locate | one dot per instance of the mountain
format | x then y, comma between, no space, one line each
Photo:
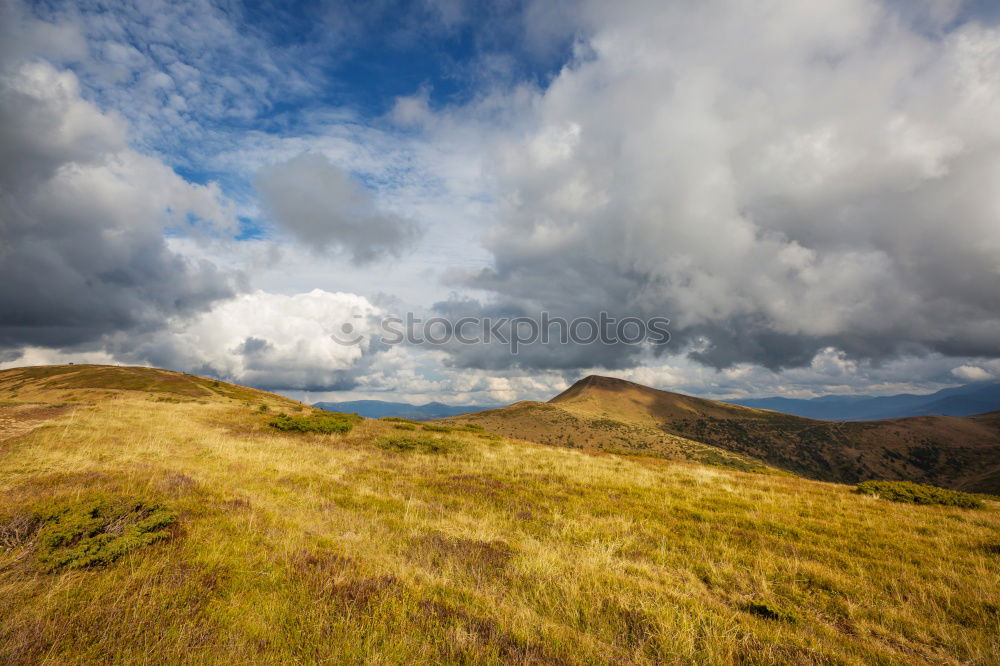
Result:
377,409
603,413
149,516
966,400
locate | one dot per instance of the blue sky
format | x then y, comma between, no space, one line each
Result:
804,191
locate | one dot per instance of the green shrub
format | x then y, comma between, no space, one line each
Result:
419,444
430,427
404,426
326,422
98,531
607,424
918,493
768,612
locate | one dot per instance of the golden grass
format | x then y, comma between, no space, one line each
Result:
303,548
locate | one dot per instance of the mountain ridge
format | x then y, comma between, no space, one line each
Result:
375,409
966,400
606,413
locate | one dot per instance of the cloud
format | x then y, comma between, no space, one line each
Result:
807,193
972,373
83,216
773,180
185,74
266,340
322,206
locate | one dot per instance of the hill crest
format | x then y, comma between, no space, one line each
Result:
611,414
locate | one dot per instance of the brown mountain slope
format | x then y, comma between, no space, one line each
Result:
613,414
547,423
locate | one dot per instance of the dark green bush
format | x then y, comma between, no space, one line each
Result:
326,422
918,493
607,424
769,612
419,444
430,427
98,531
404,426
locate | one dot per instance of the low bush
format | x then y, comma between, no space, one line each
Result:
420,444
98,531
324,423
769,612
404,426
430,427
918,493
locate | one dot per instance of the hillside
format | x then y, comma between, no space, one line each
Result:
616,415
156,517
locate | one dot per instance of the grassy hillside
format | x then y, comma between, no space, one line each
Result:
168,521
612,414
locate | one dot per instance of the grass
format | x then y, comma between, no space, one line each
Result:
380,546
918,493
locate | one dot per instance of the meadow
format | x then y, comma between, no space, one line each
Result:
220,538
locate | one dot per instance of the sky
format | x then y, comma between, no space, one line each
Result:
809,192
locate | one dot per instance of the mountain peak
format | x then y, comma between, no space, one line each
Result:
596,382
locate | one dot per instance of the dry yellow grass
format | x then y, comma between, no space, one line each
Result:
303,548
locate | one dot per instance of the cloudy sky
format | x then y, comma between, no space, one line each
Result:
810,192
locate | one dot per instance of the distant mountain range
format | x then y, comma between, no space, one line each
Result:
377,409
959,401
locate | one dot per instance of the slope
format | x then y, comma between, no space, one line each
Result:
217,538
603,412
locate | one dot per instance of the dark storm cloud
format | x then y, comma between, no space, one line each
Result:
82,216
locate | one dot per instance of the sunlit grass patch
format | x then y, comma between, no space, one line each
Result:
918,493
323,423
